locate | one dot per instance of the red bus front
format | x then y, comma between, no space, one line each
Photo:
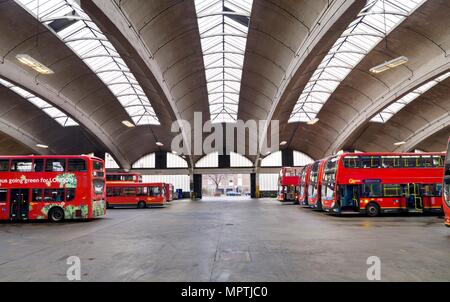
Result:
446,185
303,187
315,184
139,195
288,184
373,183
51,187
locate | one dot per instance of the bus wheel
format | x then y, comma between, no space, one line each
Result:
56,214
141,205
372,209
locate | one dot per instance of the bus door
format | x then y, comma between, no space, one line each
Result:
414,200
19,204
349,197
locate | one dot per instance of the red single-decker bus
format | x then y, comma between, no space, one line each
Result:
139,195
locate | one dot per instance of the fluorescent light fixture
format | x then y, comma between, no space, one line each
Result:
389,64
42,146
159,144
33,63
313,121
128,124
174,152
399,143
283,143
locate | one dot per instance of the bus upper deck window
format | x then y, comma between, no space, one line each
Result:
4,165
38,165
76,165
21,165
55,165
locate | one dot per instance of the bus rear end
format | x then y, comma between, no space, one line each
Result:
97,168
288,185
446,186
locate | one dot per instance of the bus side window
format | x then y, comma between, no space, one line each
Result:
55,165
142,191
36,195
54,195
109,192
3,195
38,165
427,161
438,161
76,165
70,194
4,165
154,191
129,191
21,165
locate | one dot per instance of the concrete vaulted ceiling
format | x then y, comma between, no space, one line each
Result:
159,41
424,37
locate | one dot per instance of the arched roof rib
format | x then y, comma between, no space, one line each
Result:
75,28
376,20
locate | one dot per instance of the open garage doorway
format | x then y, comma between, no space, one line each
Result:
226,186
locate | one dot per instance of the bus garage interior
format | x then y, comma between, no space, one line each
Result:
91,89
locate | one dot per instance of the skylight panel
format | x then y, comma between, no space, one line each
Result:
50,110
376,20
86,40
395,107
223,27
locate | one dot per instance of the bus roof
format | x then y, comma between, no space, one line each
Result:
389,154
48,156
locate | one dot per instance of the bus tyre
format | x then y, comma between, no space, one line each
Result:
141,205
56,214
372,209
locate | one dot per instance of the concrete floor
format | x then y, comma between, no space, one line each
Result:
237,240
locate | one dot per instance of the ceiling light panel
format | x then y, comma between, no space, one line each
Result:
74,27
50,110
398,105
360,37
223,27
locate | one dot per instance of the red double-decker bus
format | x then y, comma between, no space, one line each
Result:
315,184
51,187
140,195
446,185
123,177
288,184
375,183
303,187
